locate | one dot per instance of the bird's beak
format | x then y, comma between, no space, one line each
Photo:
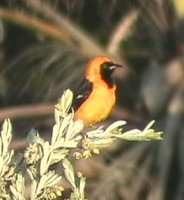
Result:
114,66
118,65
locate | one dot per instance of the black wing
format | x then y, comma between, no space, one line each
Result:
85,89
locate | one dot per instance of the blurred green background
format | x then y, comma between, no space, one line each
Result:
44,45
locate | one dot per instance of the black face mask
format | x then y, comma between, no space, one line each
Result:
106,70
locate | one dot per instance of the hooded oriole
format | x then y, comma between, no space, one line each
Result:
96,97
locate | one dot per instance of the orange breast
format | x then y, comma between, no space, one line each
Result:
98,105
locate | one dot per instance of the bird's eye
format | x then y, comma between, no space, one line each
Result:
106,65
103,65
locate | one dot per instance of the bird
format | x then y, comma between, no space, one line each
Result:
96,95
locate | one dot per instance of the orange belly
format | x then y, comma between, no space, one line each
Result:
98,105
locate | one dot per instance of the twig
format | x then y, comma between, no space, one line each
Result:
27,111
34,23
122,31
159,20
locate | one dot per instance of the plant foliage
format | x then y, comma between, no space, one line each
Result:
69,139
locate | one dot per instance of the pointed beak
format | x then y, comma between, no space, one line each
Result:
114,65
118,65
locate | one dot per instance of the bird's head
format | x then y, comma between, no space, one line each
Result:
101,68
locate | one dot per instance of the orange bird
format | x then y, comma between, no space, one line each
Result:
96,96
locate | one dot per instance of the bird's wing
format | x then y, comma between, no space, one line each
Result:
85,89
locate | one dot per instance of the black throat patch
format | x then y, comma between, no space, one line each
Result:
106,72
